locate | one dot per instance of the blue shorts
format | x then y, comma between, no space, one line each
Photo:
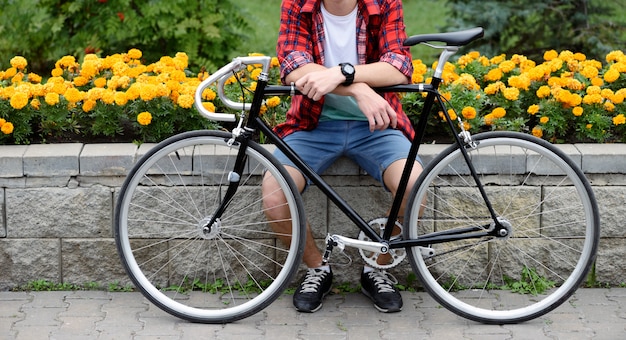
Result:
330,140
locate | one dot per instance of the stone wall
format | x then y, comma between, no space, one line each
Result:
57,202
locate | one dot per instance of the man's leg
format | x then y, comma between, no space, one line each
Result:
318,280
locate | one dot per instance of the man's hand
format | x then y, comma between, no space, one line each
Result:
317,84
376,109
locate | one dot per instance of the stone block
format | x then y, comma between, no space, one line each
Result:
29,259
52,159
3,226
603,158
92,260
11,160
59,212
107,159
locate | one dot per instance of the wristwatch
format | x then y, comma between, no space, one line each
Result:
348,71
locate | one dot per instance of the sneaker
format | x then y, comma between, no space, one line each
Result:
315,285
380,289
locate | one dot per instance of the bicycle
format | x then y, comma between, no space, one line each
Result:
493,209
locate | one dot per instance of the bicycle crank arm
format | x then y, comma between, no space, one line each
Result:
341,242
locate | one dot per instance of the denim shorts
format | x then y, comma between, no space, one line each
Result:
330,140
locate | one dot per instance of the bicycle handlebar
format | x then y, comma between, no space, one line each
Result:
453,41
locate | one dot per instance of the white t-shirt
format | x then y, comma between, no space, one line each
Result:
340,47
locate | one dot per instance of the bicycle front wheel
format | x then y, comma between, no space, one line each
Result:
546,249
211,274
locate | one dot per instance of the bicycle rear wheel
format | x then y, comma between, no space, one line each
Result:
219,274
550,212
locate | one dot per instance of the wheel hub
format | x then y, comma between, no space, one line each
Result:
207,231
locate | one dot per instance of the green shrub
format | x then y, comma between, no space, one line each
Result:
43,31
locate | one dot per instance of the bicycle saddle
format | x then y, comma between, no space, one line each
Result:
457,38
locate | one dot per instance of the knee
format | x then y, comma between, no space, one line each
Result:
273,196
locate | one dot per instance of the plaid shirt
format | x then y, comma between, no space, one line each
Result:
380,34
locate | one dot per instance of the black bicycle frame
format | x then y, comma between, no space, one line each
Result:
255,122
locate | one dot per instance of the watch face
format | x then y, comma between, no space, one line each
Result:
349,69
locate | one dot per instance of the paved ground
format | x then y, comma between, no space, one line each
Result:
590,314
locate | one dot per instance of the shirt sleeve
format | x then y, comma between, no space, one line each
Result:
295,44
392,37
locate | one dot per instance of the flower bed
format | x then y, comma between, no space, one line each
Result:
565,98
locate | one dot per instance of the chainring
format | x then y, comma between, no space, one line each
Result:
395,255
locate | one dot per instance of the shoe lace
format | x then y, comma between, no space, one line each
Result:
312,281
383,281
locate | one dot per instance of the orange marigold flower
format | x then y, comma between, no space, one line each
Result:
208,94
73,95
499,112
468,112
88,105
19,100
511,93
619,119
7,128
611,75
550,55
209,106
144,118
537,132
19,62
273,101
120,98
543,91
52,98
185,101
544,119
134,53
533,109
578,111
35,104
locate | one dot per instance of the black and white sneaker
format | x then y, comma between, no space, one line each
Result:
381,290
315,285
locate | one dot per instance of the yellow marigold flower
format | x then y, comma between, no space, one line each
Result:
34,78
57,72
489,118
611,75
73,95
273,102
610,107
52,98
594,90
497,59
494,88
35,104
537,132
208,94
185,101
617,98
7,128
533,109
10,73
507,66
19,100
178,75
614,56
544,119
511,93
147,92
89,105
499,112
578,111
468,81
619,119
19,62
120,98
493,74
592,99
256,73
589,72
550,55
134,53
521,82
468,112
575,99
566,55
144,118
81,81
597,81
466,125
108,97
209,106
263,110
95,93
100,82
274,62
589,126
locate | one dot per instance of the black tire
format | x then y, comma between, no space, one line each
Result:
232,271
553,235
